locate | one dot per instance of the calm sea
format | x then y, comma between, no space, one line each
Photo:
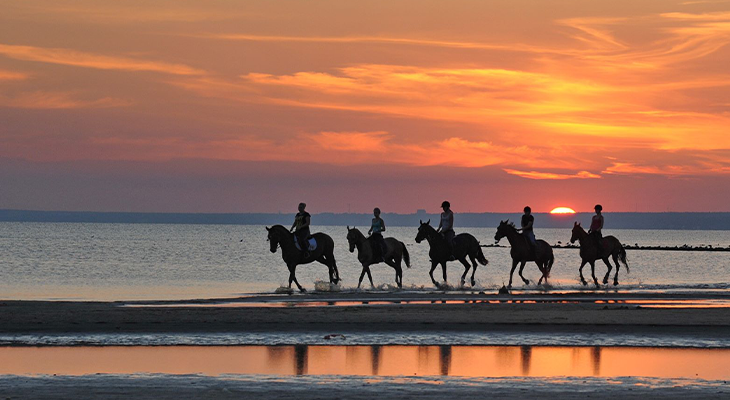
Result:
154,261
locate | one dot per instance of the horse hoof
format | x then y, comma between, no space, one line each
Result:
303,290
473,282
615,283
526,282
584,283
605,281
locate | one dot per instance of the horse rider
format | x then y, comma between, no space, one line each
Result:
377,227
301,229
446,225
526,227
595,229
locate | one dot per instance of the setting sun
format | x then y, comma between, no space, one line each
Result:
562,210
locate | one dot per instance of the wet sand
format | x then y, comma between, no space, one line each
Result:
425,312
594,312
305,388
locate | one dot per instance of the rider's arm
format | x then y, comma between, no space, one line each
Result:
382,225
306,222
439,228
600,228
293,225
371,227
451,220
528,226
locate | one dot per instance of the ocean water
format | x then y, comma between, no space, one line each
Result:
154,261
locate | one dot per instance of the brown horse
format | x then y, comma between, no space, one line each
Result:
324,253
464,245
521,252
589,254
394,254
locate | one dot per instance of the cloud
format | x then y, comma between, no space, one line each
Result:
90,60
350,141
551,175
12,75
57,100
399,41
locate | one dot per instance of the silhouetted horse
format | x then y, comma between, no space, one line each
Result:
464,245
394,253
521,252
324,253
589,254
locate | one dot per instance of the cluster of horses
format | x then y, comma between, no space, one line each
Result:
464,247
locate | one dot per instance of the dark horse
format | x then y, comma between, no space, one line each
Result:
395,252
589,254
324,253
465,245
521,252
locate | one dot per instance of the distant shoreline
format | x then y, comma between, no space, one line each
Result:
617,220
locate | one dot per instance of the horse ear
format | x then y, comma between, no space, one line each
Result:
420,221
428,222
348,228
268,229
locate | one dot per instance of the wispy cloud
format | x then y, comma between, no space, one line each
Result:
91,60
401,41
57,100
552,175
12,75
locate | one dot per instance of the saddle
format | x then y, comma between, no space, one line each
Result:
312,244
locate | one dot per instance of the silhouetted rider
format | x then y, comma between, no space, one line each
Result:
301,229
377,227
526,227
595,230
446,225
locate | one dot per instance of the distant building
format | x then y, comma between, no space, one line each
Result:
420,211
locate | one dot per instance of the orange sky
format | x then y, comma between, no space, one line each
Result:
570,97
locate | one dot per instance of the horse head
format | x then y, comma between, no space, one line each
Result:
502,230
577,232
423,230
273,238
352,237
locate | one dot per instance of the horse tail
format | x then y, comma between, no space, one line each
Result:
406,256
480,255
622,257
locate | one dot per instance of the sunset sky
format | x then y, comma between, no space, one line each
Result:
253,106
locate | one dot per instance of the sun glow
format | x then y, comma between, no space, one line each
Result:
562,210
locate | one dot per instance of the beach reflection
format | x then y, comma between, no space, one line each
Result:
467,361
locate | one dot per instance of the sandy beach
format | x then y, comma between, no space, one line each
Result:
689,316
266,387
364,311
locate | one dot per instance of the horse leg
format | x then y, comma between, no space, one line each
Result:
593,272
293,278
610,267
615,277
466,270
541,267
580,271
512,271
474,269
443,269
370,276
322,259
433,267
522,266
396,264
333,263
362,275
